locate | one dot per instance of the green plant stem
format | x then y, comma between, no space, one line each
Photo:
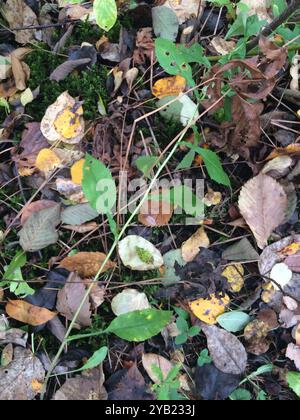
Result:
114,246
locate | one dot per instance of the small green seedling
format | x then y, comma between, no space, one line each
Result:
186,331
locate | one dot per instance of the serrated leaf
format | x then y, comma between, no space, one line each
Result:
79,214
106,13
139,325
165,23
145,164
39,231
234,321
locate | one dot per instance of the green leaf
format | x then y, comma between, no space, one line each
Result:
204,358
98,185
145,164
181,339
182,325
13,272
193,331
234,321
39,231
187,161
183,109
241,394
96,360
165,22
212,163
139,325
106,13
293,380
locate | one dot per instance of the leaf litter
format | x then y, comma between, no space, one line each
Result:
184,306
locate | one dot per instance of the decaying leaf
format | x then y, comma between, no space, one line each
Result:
31,208
241,251
86,264
39,231
208,310
222,46
139,254
47,161
212,198
235,277
128,301
18,380
293,353
14,336
169,86
27,313
263,204
256,334
19,14
155,213
227,352
85,387
190,249
63,121
69,299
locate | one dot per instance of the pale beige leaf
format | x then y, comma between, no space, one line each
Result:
190,249
263,205
160,362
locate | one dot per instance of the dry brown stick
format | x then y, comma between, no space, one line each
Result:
289,11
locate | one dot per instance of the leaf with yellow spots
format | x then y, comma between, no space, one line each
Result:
169,86
47,161
268,292
63,121
235,277
77,172
208,310
290,250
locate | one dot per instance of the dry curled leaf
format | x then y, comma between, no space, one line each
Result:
263,205
27,313
190,249
169,86
86,264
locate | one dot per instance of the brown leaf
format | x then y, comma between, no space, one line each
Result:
27,313
31,208
190,249
70,297
18,380
263,204
169,86
256,334
150,359
19,73
86,264
62,71
144,46
275,57
18,15
87,227
155,213
227,352
85,387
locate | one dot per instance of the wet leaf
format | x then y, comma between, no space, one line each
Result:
208,310
27,313
263,204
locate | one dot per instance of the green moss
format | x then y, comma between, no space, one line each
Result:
88,84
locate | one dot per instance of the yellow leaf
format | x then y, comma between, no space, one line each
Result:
208,310
36,386
235,277
47,160
68,123
268,292
190,249
212,198
169,86
290,250
77,172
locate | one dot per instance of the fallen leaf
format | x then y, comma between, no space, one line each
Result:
85,228
227,352
86,387
212,384
259,8
150,359
212,198
139,254
263,204
293,353
186,9
155,213
14,336
234,321
97,294
222,46
128,301
47,161
79,214
63,121
169,86
165,23
256,333
27,313
69,299
290,150
86,264
39,231
293,262
66,68
77,172
183,109
282,275
208,310
235,277
190,249
35,206
290,250
70,190
19,14
18,379
278,167
241,251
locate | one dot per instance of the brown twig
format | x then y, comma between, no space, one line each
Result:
289,11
